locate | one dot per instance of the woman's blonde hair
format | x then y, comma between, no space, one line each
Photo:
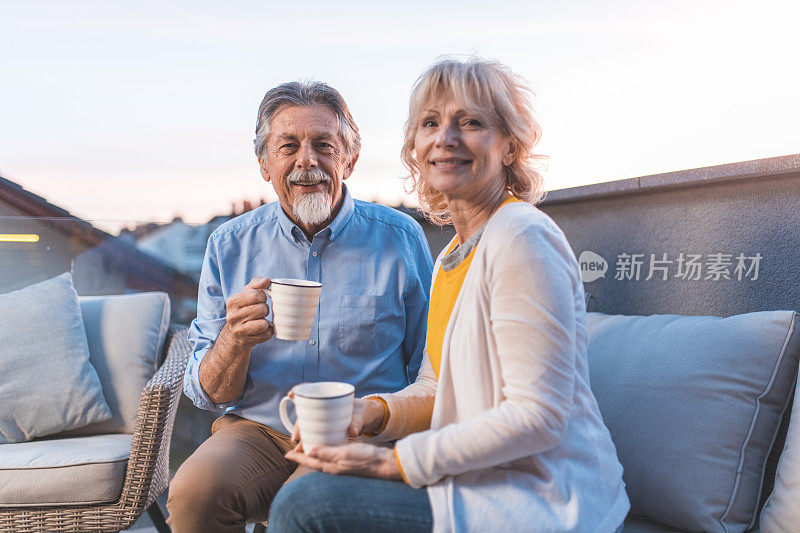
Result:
491,86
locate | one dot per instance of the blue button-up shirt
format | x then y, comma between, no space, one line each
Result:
375,268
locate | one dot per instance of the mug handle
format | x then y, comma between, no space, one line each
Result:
268,290
287,423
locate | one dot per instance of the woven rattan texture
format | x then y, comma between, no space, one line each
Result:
148,465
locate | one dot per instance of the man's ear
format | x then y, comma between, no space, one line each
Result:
262,166
350,166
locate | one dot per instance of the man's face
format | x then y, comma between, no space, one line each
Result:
306,162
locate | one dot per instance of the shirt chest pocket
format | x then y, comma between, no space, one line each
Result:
357,316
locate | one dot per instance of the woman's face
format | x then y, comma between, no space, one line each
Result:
461,152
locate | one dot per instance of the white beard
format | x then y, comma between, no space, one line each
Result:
312,208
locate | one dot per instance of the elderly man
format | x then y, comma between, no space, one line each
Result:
375,267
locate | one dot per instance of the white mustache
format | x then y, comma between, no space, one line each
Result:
304,177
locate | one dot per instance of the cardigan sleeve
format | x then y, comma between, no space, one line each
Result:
410,409
531,286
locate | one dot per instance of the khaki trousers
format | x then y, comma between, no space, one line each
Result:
231,478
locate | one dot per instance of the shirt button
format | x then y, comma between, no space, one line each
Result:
311,342
314,254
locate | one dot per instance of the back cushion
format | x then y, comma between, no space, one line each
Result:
693,405
126,336
782,512
47,384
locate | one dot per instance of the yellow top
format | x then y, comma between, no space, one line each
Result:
443,298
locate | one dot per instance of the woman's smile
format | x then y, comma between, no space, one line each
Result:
450,163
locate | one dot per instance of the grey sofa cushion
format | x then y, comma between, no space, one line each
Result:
693,405
47,384
638,525
63,471
126,335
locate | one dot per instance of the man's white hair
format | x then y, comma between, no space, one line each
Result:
305,94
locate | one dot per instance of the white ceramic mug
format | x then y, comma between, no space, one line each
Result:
294,307
324,411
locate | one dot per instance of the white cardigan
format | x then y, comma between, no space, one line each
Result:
516,440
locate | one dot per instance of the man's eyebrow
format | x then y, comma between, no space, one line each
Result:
286,137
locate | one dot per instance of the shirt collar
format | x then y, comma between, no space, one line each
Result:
292,231
344,215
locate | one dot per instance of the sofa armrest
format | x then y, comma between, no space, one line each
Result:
148,466
170,373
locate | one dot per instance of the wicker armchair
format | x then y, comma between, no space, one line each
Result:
147,474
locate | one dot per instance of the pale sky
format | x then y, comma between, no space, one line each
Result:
135,111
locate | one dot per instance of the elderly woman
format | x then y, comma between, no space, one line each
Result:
500,432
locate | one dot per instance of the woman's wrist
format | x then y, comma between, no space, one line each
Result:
375,415
391,465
